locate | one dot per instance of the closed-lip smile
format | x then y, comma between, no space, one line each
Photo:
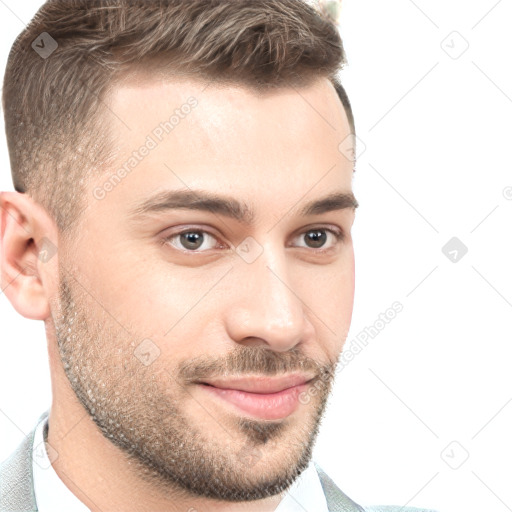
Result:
260,384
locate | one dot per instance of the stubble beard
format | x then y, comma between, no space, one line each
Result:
139,413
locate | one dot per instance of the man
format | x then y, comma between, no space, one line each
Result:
181,223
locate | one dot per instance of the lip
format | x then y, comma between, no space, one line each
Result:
261,397
260,384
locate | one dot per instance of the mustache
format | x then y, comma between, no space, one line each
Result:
256,360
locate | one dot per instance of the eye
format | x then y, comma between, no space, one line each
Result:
190,240
317,238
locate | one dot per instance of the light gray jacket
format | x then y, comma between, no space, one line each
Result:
17,486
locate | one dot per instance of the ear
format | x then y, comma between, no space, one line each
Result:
28,255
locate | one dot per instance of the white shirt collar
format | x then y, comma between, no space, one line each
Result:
306,494
52,495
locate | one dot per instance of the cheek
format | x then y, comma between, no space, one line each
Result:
335,297
343,303
144,299
174,308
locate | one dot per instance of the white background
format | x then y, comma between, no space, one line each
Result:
434,386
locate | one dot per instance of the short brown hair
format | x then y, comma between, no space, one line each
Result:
54,104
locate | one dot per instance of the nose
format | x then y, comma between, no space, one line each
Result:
267,307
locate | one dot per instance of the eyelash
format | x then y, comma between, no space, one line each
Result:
338,234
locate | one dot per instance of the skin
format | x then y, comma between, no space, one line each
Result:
154,439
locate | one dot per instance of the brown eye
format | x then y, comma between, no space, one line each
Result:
190,240
318,237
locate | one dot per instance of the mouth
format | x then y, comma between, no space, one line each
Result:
260,397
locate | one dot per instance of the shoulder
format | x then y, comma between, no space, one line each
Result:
16,480
338,501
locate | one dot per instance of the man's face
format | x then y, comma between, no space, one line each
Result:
146,312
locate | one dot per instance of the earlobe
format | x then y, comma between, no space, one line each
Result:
27,255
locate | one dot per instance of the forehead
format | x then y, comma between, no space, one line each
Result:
184,133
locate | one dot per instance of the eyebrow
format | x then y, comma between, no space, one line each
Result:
231,207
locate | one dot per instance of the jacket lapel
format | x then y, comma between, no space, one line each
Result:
16,479
337,501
